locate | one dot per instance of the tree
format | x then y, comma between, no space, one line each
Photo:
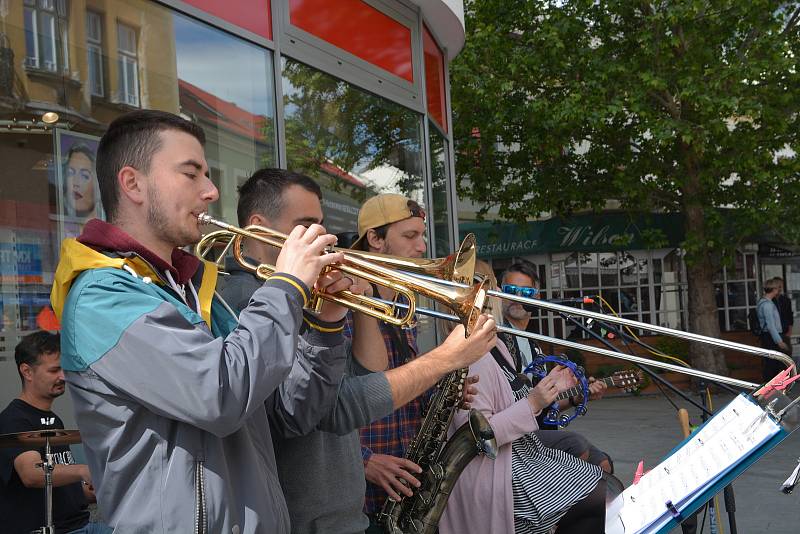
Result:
687,106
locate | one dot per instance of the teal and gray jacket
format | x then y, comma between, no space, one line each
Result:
172,396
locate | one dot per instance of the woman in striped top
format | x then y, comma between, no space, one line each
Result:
529,488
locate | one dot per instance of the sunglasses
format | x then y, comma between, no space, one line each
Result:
520,291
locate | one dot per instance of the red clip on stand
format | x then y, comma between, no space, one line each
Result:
781,381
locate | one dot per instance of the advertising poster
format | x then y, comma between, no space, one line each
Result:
78,198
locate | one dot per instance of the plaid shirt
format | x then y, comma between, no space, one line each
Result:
392,434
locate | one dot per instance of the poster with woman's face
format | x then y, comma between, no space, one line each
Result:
76,179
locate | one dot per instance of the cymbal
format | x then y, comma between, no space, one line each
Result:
35,439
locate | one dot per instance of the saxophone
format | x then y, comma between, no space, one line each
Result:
442,460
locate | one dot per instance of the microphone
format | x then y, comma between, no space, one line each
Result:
576,300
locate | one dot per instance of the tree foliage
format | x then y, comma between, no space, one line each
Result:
688,106
331,121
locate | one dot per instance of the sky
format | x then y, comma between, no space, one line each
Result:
224,65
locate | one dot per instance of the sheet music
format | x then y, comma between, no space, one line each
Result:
739,429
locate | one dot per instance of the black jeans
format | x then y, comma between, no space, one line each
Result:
587,516
770,367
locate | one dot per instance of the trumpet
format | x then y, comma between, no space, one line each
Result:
391,272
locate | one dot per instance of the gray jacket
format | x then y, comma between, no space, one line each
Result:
322,473
173,406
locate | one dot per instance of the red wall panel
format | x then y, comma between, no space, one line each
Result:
358,28
434,79
252,15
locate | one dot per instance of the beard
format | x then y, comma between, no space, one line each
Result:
516,312
57,390
158,221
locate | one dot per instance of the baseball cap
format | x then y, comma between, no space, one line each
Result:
385,209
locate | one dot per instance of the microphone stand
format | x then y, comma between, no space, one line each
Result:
730,502
649,372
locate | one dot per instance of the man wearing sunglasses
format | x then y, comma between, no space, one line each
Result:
521,279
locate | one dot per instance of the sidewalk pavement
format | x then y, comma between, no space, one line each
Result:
646,428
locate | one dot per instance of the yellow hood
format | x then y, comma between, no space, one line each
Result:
76,258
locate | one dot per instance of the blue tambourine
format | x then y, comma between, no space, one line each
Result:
538,369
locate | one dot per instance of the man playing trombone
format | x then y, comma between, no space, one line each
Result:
322,473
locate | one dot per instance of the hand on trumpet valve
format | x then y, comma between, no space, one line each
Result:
333,281
302,255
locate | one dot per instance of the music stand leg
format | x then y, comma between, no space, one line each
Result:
730,507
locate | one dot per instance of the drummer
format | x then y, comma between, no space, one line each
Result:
22,507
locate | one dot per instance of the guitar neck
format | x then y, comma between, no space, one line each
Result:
576,390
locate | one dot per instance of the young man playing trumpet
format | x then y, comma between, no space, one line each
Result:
322,473
169,392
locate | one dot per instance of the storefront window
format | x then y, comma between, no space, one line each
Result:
626,283
736,291
128,55
355,144
441,192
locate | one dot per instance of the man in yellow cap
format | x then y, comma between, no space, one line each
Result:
391,224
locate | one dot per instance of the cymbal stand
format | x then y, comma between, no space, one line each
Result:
48,466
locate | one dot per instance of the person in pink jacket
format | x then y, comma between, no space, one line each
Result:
529,488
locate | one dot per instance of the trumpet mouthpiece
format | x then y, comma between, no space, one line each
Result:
204,218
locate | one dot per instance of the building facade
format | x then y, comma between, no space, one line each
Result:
354,93
633,266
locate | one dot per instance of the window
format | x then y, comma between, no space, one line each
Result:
94,53
46,29
238,118
637,285
441,204
354,143
127,65
736,291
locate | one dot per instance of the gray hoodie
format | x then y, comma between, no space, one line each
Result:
322,473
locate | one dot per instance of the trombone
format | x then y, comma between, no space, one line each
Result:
711,377
690,336
466,301
445,280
